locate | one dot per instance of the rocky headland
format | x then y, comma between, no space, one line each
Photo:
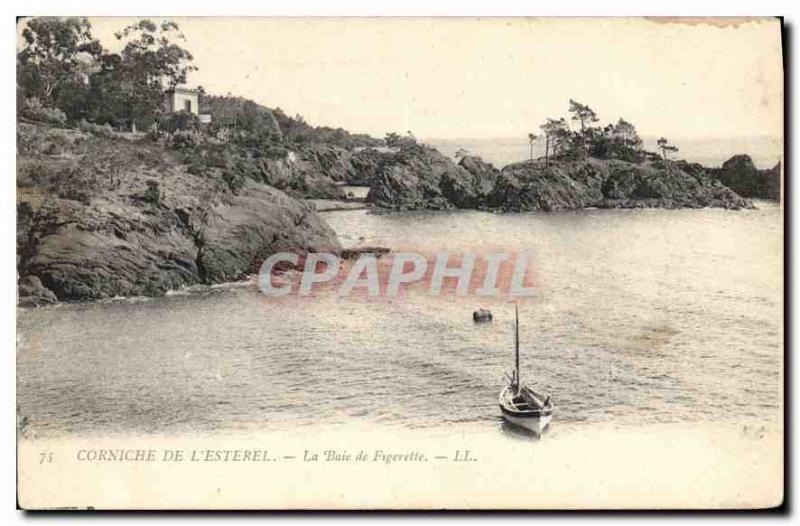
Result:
125,190
100,217
420,177
740,175
104,214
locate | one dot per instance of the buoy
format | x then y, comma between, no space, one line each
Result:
481,315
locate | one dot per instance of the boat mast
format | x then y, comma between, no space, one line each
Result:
516,346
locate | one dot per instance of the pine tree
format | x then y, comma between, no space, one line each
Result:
585,116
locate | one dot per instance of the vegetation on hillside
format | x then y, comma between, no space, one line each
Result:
297,130
65,77
614,141
62,66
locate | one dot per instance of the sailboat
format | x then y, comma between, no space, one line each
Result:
521,405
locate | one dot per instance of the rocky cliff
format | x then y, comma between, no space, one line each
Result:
412,178
740,174
100,217
420,177
103,215
358,167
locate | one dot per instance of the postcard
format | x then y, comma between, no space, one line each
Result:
399,263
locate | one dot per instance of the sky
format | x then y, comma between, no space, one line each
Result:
491,78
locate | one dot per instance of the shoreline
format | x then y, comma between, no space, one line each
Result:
201,288
333,205
147,236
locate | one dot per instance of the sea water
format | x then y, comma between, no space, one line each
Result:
640,317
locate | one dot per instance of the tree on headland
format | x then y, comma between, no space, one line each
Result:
626,132
626,140
615,140
553,129
665,147
395,140
585,116
248,120
57,55
561,137
128,87
531,138
66,77
151,62
298,130
601,142
392,139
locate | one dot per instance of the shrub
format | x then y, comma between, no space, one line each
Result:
33,171
97,130
197,166
652,157
35,140
234,179
32,109
154,134
275,153
180,121
184,139
56,141
76,194
153,192
241,115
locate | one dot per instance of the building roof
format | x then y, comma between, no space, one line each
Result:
185,91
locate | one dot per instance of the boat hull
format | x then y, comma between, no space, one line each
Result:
534,420
533,424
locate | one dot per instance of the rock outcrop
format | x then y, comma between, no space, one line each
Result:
562,186
113,237
242,230
32,293
740,175
469,186
288,171
358,167
421,177
329,160
653,187
100,216
411,179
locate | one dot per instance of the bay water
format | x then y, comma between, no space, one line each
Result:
639,316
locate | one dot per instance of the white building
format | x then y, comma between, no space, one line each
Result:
182,99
